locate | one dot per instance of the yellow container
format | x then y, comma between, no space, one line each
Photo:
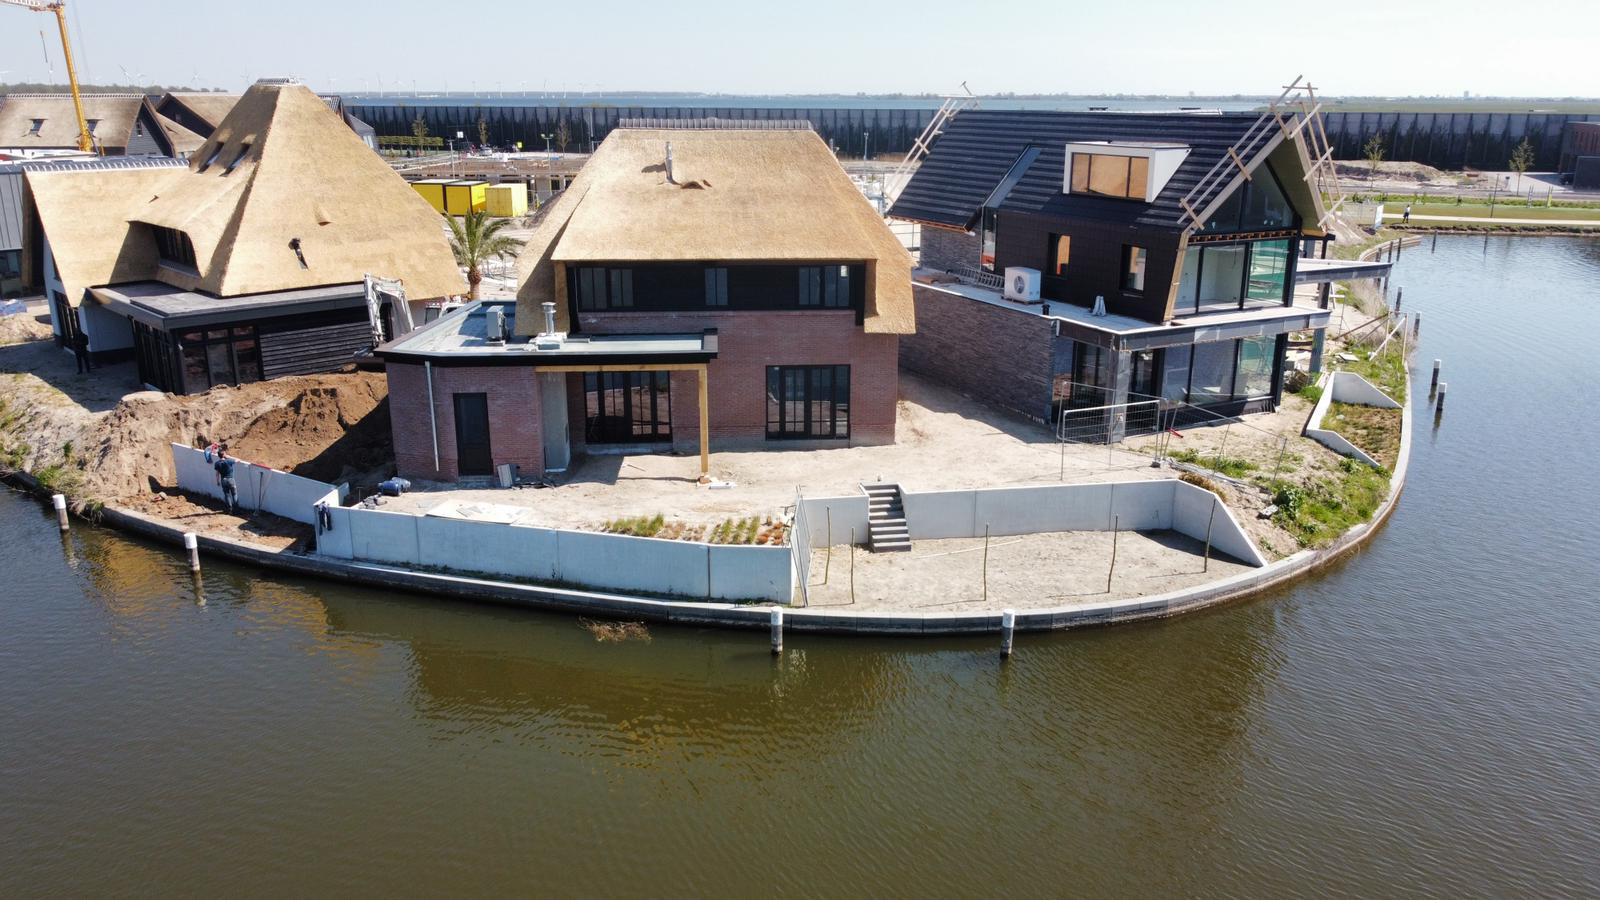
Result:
432,190
462,197
510,199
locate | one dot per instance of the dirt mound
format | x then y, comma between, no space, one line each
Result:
328,427
25,326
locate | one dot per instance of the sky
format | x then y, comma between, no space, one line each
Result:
1392,48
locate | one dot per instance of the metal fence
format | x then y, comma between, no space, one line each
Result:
800,547
1110,423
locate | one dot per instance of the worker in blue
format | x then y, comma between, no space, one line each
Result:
224,469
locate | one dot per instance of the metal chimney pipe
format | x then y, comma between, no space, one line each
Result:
549,317
670,179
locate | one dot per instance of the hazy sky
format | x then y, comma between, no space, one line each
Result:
1398,47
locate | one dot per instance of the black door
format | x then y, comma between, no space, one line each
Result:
472,435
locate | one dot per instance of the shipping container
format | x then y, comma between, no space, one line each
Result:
432,190
509,199
462,197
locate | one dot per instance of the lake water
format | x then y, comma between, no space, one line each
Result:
1422,719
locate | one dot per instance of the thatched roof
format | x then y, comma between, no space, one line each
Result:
280,167
113,117
208,107
739,195
184,142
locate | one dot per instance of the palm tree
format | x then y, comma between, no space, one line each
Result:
475,240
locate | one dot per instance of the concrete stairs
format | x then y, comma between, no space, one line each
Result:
887,531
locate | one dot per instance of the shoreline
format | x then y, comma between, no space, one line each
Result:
731,615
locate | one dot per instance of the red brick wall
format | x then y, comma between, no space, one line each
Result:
514,425
748,342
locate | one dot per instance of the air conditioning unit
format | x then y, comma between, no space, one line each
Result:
1022,284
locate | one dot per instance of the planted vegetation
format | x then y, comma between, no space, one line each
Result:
1377,431
1231,466
1320,510
748,530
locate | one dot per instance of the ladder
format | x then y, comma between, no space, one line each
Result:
1296,113
952,104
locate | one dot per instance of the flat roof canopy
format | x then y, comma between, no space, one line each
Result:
1309,270
167,308
461,338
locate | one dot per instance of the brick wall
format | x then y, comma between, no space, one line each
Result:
987,352
514,425
748,342
942,249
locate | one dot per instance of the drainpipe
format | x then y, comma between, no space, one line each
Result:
433,416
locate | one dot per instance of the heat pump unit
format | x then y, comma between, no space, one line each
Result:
1022,284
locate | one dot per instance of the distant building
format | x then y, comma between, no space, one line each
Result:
1580,155
695,287
1072,261
247,263
202,111
42,125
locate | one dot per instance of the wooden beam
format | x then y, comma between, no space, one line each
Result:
1240,163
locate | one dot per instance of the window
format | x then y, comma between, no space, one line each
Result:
826,286
627,407
1269,266
1133,268
36,126
211,157
808,402
174,248
1234,276
989,228
92,124
1258,204
600,288
238,158
1110,176
1060,252
716,287
1222,269
1211,374
219,356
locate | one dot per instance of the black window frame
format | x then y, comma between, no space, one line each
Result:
812,380
1129,273
603,288
716,279
614,396
202,340
35,126
824,287
173,248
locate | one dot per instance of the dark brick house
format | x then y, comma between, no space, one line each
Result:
698,287
1086,260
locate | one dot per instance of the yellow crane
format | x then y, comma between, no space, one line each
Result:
59,7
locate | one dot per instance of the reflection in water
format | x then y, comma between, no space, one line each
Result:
1419,718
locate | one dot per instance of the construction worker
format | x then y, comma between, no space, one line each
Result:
80,351
224,469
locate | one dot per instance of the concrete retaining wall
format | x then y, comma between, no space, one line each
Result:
612,562
838,513
1345,387
260,488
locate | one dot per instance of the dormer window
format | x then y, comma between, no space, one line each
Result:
93,124
211,157
238,158
1122,170
36,127
174,248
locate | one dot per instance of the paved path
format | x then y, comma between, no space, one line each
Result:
1498,220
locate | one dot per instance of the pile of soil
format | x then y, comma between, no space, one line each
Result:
328,427
1391,170
204,515
25,326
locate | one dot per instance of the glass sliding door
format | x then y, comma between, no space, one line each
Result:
1269,268
808,402
1256,357
627,407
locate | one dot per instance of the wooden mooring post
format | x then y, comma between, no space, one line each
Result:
59,501
777,630
1433,386
191,543
1008,632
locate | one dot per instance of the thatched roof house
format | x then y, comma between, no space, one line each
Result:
734,195
281,203
120,124
201,112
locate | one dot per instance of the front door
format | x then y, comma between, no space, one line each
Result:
473,456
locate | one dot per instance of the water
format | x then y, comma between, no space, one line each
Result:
1422,719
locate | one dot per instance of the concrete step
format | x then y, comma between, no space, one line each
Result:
887,520
891,547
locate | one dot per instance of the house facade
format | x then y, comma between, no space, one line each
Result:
255,259
1075,261
695,288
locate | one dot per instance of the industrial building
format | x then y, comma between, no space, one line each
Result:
1076,261
1580,155
695,288
253,260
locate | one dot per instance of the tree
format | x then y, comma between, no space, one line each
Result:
563,134
1373,150
1521,159
475,240
483,131
419,127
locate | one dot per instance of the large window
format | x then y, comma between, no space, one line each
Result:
1255,367
808,402
174,248
989,228
1269,267
219,356
1110,176
716,286
1133,259
603,288
1259,204
627,407
826,286
1222,269
1222,276
1211,372
1219,371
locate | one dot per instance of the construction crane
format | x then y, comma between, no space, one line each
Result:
59,7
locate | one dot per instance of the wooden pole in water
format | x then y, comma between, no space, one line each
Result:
1209,521
1433,388
1438,408
777,630
1416,327
192,544
1008,631
1116,526
59,501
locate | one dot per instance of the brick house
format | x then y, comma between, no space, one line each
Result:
697,287
1085,261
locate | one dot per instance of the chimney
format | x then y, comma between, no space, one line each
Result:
549,317
549,339
670,178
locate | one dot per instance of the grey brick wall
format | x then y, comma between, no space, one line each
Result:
996,355
945,250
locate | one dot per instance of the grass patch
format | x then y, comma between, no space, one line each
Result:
1318,512
637,526
1311,393
1374,430
1200,481
1231,466
1386,371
